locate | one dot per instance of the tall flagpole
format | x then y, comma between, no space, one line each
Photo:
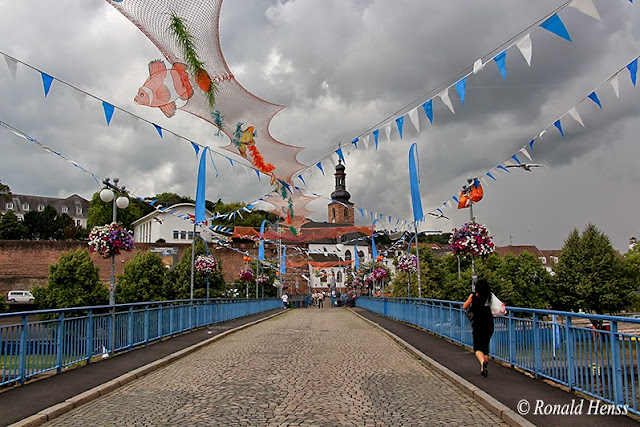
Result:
415,224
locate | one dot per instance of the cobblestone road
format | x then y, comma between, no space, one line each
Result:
305,367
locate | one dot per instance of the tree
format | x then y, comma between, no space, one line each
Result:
73,282
5,192
524,282
590,275
11,228
101,213
178,279
143,279
42,225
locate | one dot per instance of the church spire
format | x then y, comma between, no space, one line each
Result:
340,193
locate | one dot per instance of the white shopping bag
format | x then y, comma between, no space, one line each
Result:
497,307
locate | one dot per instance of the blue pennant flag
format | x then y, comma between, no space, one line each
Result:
283,263
213,163
503,168
455,198
633,70
302,179
46,82
428,110
514,157
376,133
158,128
108,111
491,176
374,250
356,258
201,187
400,123
554,24
340,155
559,126
355,141
414,181
319,165
594,98
461,87
196,147
500,60
361,212
257,173
232,165
261,247
531,144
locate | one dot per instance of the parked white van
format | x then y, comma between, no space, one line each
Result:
20,296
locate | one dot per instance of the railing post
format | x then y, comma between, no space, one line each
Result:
569,352
171,310
23,349
512,339
616,370
89,340
60,337
130,327
146,324
536,346
160,321
450,321
463,324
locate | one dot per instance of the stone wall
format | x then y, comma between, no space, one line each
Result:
25,264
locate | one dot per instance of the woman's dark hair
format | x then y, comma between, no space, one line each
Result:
483,289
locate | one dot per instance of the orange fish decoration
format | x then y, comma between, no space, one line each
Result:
246,139
164,87
475,194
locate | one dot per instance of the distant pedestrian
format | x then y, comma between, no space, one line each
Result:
479,305
320,300
285,300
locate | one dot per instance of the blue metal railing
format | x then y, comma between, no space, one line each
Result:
35,342
560,346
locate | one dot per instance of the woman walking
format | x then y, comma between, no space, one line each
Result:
479,304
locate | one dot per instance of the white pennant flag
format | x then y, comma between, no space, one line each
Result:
80,97
366,141
12,64
525,47
387,130
587,7
444,95
134,122
542,133
524,151
413,115
615,84
477,66
484,181
574,113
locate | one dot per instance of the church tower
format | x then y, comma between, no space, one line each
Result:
341,210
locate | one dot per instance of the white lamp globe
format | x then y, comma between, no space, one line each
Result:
106,195
122,202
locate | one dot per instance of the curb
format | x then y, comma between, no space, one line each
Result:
506,414
55,411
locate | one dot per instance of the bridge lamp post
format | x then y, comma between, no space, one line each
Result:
466,189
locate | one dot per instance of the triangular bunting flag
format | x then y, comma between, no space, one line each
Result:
302,179
559,126
46,82
477,66
212,162
554,25
375,137
387,131
428,110
158,128
196,147
592,96
525,47
517,160
503,168
633,70
500,60
340,155
108,111
415,120
444,95
12,64
355,142
257,173
615,84
319,165
574,113
80,97
400,123
461,88
524,151
587,7
366,142
531,144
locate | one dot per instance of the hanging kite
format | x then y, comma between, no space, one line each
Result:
186,33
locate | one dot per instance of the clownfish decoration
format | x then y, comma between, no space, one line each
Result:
165,86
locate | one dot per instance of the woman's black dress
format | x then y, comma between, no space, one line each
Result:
482,324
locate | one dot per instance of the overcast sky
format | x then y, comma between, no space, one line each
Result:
342,67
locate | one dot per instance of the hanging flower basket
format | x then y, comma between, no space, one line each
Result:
368,279
263,279
110,239
206,264
246,275
471,239
380,273
408,263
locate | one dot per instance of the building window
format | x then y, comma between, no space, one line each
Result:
347,255
190,235
183,235
65,209
9,205
339,276
175,234
555,259
40,208
543,259
25,206
79,222
78,211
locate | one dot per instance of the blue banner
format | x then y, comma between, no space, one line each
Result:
414,181
200,189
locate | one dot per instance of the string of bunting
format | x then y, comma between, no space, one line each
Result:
515,160
395,124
